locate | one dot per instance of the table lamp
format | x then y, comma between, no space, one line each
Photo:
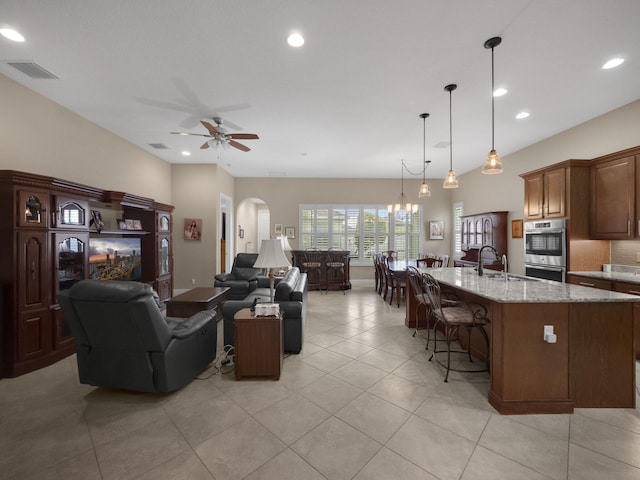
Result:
271,256
286,247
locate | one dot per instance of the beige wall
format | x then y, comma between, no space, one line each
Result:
283,196
39,136
195,193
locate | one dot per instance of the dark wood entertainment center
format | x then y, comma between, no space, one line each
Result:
45,230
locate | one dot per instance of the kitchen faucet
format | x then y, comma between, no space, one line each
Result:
480,257
504,266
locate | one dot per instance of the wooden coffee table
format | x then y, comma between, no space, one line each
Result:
197,300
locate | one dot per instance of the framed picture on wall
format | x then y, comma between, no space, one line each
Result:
436,230
290,232
277,229
516,228
192,228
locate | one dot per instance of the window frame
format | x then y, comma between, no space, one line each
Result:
408,232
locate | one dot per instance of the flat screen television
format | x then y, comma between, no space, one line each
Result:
112,258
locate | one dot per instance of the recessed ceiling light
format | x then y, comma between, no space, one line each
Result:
613,63
498,92
522,115
295,40
186,154
11,34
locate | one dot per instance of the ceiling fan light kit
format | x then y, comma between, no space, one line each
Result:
493,164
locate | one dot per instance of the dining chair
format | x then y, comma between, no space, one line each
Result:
428,262
462,314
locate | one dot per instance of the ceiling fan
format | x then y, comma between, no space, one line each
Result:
220,137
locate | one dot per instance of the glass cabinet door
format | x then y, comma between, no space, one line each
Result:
32,208
71,259
71,213
164,255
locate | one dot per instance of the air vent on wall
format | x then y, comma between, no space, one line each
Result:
32,69
159,146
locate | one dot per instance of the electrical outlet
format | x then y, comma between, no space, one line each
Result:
638,257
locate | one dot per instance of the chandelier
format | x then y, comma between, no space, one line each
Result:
403,206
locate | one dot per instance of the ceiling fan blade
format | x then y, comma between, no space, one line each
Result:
239,146
244,136
191,134
211,128
204,145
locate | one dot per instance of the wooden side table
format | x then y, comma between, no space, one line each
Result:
259,346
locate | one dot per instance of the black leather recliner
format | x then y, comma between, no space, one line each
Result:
244,278
124,341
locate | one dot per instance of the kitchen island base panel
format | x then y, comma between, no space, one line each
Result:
601,355
529,407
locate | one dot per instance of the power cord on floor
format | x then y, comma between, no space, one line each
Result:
222,364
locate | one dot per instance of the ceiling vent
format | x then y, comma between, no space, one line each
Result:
159,146
32,70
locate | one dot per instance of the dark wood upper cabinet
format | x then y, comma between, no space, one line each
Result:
613,198
545,194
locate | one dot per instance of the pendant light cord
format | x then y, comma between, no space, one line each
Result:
492,104
424,146
450,135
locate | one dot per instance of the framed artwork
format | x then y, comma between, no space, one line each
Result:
96,219
436,230
122,224
516,228
192,228
277,229
290,232
129,223
137,225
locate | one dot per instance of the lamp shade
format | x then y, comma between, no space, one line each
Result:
271,255
286,246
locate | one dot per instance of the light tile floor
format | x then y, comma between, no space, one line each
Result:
360,402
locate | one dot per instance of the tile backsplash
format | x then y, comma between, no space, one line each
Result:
625,252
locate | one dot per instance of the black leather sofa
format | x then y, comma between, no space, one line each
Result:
243,277
290,293
124,341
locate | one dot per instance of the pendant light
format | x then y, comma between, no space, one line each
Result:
402,206
424,188
493,164
452,180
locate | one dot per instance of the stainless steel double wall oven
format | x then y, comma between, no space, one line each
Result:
545,249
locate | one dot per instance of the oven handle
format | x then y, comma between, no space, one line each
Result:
544,267
550,230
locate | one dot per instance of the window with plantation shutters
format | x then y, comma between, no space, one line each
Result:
458,211
362,229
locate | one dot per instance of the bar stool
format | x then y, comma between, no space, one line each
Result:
335,263
462,314
312,265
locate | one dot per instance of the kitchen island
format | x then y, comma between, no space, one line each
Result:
592,362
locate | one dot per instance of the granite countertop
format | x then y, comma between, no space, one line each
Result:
613,276
519,289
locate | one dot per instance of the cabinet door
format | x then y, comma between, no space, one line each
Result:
71,253
487,231
478,239
554,193
33,208
33,291
71,213
613,199
164,255
533,195
590,282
